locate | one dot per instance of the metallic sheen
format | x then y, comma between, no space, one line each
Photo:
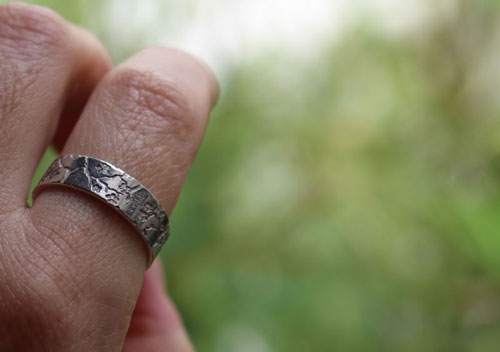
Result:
118,189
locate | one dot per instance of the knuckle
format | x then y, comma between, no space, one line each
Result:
29,37
34,316
35,27
47,281
150,98
27,319
13,83
30,308
51,286
66,246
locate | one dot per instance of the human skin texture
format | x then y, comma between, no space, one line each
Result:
72,271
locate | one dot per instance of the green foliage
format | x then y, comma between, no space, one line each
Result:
350,203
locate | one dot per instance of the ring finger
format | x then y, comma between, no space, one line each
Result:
147,117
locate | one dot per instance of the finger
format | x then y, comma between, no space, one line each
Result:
41,59
80,90
156,325
147,117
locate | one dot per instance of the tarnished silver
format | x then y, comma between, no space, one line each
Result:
118,189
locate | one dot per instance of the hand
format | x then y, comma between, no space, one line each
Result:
71,268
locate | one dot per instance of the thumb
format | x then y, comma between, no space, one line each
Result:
156,325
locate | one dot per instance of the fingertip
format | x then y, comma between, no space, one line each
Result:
90,46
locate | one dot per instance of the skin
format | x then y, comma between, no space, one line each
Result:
72,271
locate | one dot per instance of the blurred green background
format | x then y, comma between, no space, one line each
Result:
346,196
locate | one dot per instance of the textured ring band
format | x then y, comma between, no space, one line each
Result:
118,189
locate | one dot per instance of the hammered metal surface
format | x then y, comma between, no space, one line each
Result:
116,188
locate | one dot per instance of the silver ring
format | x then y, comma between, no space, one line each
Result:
118,189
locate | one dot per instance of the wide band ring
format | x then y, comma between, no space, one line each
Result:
118,189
